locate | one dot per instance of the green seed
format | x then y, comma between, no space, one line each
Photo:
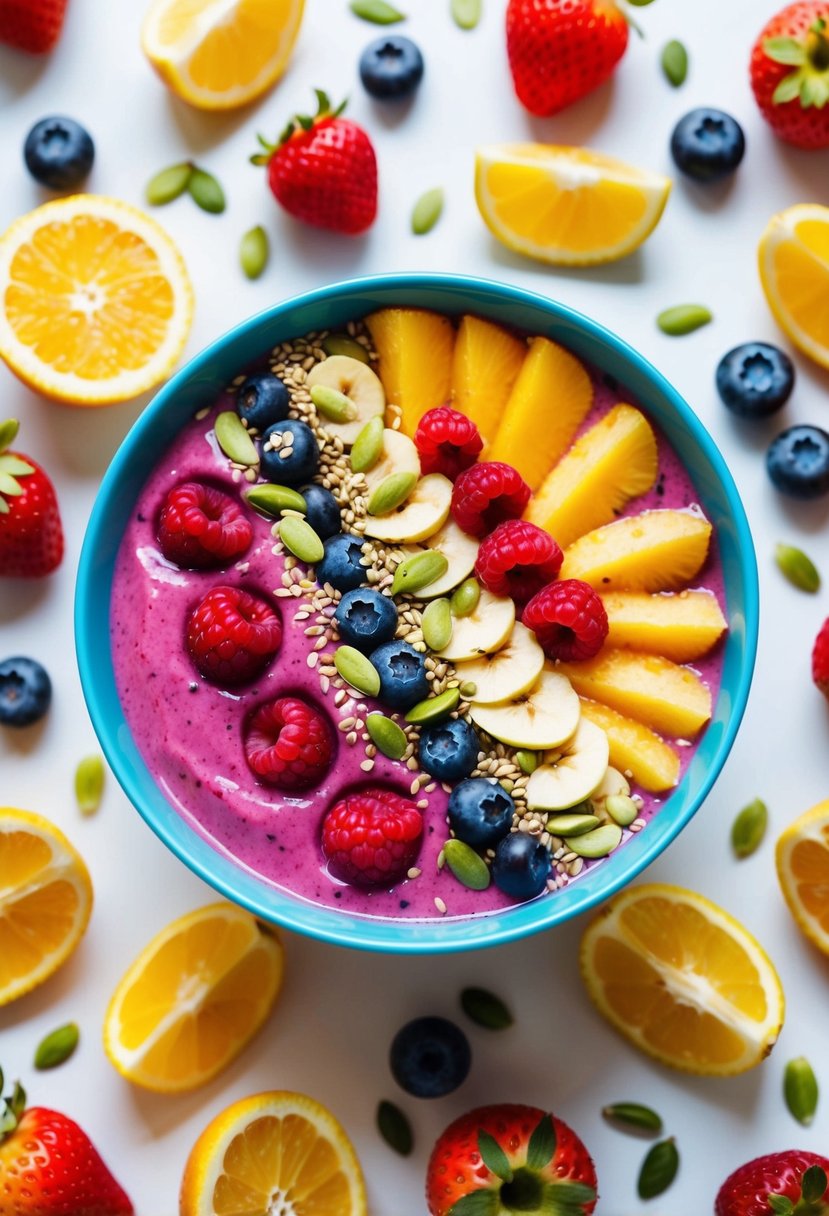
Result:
168,184
234,440
675,62
799,569
437,624
467,866
89,784
634,1115
434,709
254,251
377,11
468,689
507,785
485,1009
419,571
467,13
386,736
391,493
683,319
205,191
800,1090
57,1047
357,671
526,761
658,1169
342,344
621,809
332,404
395,1128
427,211
597,843
299,538
273,500
749,828
368,446
465,598
572,825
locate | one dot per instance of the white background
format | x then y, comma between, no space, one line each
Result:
330,1032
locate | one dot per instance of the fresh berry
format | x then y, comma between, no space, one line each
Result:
290,453
449,751
323,171
430,1057
25,691
755,379
486,494
480,812
560,50
201,528
31,25
322,510
402,672
707,145
820,659
372,837
262,401
569,620
521,865
798,461
517,560
551,1170
366,618
59,153
31,535
342,566
232,636
448,442
791,82
797,1176
288,744
391,68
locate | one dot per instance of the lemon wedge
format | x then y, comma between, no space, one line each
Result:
793,259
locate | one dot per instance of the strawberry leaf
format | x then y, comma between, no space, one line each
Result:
542,1146
781,1205
478,1203
305,121
566,1197
814,92
493,1156
789,88
323,103
8,432
813,1184
259,158
785,50
9,485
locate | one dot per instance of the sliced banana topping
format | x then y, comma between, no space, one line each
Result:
359,384
578,769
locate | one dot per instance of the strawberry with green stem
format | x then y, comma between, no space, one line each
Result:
31,535
792,1183
790,73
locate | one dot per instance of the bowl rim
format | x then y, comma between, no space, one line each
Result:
384,934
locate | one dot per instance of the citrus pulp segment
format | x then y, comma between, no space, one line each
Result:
794,269
802,859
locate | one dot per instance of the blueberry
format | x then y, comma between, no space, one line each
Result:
262,400
391,67
402,672
755,379
480,812
323,513
798,461
25,691
366,618
521,865
342,564
449,751
430,1057
304,455
707,144
59,153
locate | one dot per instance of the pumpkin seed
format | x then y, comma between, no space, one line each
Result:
749,828
427,211
377,11
342,344
168,185
89,784
395,1128
368,446
468,867
572,825
798,568
357,670
683,319
419,571
433,709
391,493
465,598
254,251
467,13
485,1009
675,62
468,689
273,499
658,1169
332,404
386,736
621,808
299,538
234,440
57,1047
205,191
633,1115
800,1090
526,761
436,624
597,843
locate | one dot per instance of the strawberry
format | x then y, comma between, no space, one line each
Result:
790,73
560,50
820,659
790,1182
31,25
510,1157
31,536
323,170
49,1167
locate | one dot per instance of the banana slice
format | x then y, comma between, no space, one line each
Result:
460,551
425,510
612,783
486,629
508,672
578,769
360,384
546,716
399,456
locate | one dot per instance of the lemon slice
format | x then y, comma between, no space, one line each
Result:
274,1152
217,54
794,269
566,205
683,980
95,301
802,858
45,901
193,998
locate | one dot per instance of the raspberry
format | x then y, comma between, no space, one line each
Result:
517,560
371,837
201,528
232,635
820,659
288,744
569,620
448,442
486,494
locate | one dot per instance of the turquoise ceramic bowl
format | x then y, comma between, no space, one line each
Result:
197,384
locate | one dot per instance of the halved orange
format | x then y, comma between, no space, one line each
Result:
794,270
802,858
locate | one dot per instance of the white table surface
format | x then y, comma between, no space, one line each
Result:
339,1009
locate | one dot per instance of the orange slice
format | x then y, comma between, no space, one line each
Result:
802,858
794,270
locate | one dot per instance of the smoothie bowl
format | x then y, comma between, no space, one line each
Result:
402,622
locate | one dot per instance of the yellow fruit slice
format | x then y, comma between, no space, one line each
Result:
552,385
95,302
45,901
217,54
802,858
570,206
683,980
793,257
635,749
193,998
486,362
681,627
613,462
273,1153
415,350
654,551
